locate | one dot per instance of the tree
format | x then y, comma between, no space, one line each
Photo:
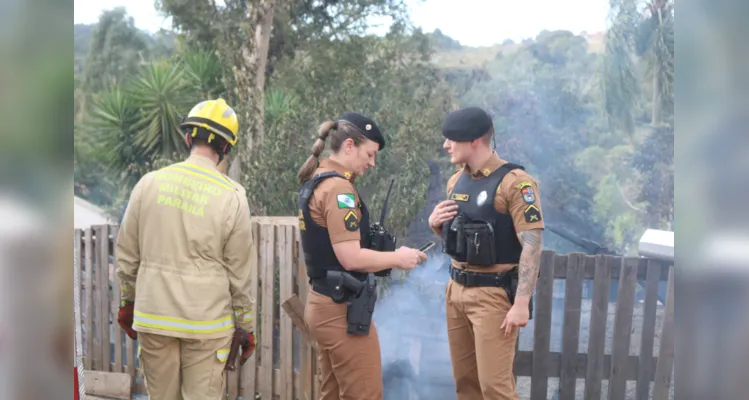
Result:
117,49
639,36
389,79
242,33
544,117
640,48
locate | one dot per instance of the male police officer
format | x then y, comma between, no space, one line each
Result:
186,241
491,226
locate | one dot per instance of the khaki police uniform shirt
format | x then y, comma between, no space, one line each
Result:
184,252
335,203
517,196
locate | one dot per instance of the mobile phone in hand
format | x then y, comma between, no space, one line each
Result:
426,247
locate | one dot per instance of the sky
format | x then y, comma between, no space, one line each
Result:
471,22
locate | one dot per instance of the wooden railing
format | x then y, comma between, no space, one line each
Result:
284,364
594,366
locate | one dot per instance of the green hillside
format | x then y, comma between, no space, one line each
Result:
448,53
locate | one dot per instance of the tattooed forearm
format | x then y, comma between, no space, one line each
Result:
530,261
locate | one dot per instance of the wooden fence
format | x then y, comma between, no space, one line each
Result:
284,365
594,366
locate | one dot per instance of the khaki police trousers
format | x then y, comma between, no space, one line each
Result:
482,357
351,365
183,369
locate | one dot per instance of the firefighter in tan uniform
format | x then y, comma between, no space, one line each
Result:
183,258
491,226
341,265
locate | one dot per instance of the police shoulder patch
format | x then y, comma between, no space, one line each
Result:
351,221
529,195
532,214
346,200
523,184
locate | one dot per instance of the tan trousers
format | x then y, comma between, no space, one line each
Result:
351,365
183,369
482,357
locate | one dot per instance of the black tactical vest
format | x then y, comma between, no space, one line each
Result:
479,234
318,251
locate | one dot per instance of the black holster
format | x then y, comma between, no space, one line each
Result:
342,285
360,297
361,307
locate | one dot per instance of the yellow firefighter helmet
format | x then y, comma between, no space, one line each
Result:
210,118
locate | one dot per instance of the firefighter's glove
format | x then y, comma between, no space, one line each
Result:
125,319
248,347
241,340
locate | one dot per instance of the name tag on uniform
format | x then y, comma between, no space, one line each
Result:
459,197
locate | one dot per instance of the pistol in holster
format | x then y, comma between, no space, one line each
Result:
361,307
360,296
344,285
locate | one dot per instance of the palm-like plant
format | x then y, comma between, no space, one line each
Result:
110,124
163,98
638,36
133,127
656,46
202,73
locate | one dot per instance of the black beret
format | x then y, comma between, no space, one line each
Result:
364,125
466,124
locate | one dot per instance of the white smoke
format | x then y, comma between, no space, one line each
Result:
411,324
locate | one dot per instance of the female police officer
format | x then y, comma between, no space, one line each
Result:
334,226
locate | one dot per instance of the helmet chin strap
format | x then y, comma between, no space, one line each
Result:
221,154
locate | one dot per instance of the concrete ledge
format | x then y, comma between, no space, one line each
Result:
657,244
108,384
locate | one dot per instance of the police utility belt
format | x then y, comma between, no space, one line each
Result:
507,280
357,289
360,292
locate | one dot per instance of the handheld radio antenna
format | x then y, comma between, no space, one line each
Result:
385,204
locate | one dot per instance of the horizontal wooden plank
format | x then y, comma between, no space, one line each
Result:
560,269
524,365
295,310
110,384
274,220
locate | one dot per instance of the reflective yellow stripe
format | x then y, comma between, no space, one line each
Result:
187,170
243,316
223,355
207,171
182,325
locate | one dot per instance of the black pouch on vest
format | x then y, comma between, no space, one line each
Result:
449,240
479,241
453,238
